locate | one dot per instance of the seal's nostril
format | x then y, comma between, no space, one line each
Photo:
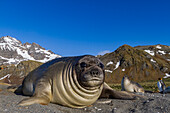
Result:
94,73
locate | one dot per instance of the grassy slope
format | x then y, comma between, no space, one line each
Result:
149,86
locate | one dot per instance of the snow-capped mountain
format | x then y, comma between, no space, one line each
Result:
12,51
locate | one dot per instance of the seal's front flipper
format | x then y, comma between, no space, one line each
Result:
108,92
34,100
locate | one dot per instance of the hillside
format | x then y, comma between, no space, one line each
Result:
17,59
14,74
141,63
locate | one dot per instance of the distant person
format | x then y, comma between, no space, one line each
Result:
161,85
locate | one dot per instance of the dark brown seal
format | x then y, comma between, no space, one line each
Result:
69,81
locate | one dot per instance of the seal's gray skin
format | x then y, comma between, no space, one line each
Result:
69,81
167,90
130,86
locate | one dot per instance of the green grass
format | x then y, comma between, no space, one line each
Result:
148,86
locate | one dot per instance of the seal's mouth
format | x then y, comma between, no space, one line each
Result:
90,81
89,77
94,79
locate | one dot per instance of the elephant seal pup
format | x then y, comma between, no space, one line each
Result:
167,90
69,81
131,86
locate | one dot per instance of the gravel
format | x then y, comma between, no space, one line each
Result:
152,103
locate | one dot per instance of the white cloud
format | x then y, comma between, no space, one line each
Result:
103,52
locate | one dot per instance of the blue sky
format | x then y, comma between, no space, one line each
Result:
78,27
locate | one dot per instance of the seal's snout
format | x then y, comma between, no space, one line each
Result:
94,73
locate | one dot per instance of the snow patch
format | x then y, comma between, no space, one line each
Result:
109,63
10,60
28,46
161,52
51,57
123,69
108,71
8,75
12,44
158,47
150,52
11,40
24,54
117,65
2,45
153,61
167,75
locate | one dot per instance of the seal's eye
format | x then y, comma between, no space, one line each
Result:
101,65
83,64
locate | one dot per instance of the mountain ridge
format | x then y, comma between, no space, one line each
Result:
140,63
12,51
